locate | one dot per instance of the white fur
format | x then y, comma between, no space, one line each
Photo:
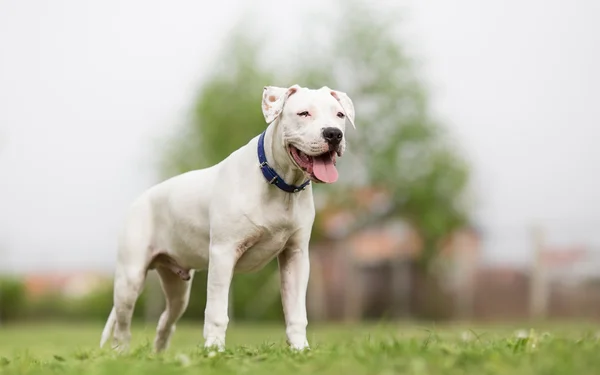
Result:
228,219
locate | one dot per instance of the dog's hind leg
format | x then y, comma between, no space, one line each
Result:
129,283
177,294
132,266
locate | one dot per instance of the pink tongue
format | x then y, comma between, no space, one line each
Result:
324,169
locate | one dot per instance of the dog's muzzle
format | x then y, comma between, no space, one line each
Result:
320,168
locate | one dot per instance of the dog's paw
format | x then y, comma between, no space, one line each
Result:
299,345
120,348
214,343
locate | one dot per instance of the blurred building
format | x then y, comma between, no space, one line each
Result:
372,271
71,285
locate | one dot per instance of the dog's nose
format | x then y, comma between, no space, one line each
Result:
333,136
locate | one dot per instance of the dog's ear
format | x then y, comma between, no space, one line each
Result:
273,100
346,104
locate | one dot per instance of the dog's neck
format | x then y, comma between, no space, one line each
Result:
278,157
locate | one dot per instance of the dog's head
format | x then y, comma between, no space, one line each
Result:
313,124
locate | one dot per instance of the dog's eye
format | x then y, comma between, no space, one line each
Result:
341,115
304,114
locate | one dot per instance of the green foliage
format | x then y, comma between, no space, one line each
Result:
226,114
94,306
12,299
256,296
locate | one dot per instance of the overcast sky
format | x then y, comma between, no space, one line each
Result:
87,89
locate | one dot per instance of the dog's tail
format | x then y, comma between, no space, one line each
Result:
109,327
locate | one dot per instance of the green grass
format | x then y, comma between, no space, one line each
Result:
382,349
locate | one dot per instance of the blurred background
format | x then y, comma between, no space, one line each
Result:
470,191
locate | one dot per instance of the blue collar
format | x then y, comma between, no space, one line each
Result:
270,175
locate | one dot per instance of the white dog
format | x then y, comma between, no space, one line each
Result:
236,216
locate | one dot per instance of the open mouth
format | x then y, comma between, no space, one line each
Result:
320,168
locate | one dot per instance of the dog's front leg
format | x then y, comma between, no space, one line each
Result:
294,269
220,271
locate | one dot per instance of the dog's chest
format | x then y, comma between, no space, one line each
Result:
259,248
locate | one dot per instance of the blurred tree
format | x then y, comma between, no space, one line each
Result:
226,114
12,299
397,146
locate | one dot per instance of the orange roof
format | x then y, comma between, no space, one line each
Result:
383,244
335,216
40,284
